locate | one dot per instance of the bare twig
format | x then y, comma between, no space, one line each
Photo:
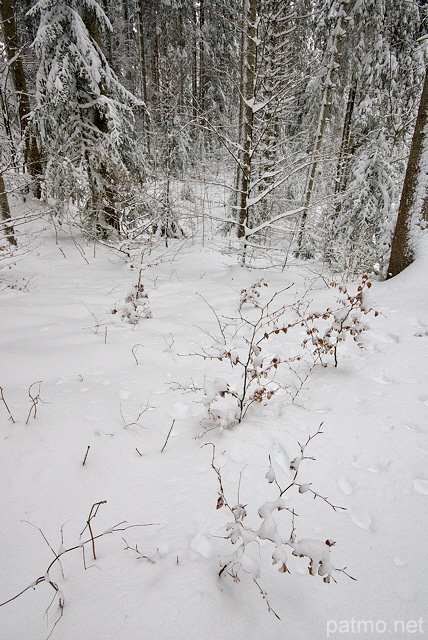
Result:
45,577
221,501
2,398
47,541
35,399
135,422
92,514
134,349
86,455
264,596
167,438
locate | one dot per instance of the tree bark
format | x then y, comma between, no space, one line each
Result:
201,57
413,207
247,99
238,171
344,145
32,156
100,185
323,117
5,214
143,68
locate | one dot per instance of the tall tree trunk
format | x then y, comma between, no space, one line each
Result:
143,68
156,64
32,156
5,214
201,57
323,116
195,69
344,145
238,171
7,126
100,185
413,207
250,50
108,43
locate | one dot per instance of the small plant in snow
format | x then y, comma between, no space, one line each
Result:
252,294
347,320
242,345
246,558
53,575
135,306
267,365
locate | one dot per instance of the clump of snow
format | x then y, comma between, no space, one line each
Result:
134,307
319,556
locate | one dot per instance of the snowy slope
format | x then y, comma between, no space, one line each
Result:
162,580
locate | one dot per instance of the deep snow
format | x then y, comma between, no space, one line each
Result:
57,328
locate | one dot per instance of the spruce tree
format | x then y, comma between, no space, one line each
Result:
84,115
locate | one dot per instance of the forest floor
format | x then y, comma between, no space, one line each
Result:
128,401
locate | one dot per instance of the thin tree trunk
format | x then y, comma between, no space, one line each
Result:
195,70
107,37
143,68
414,196
238,170
7,125
32,156
344,145
201,57
248,114
323,117
100,185
5,214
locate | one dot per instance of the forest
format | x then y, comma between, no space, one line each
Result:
303,111
214,327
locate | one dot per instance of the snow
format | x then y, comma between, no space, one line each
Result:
160,579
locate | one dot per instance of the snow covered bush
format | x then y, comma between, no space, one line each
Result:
84,116
252,294
254,344
275,533
242,345
326,330
134,307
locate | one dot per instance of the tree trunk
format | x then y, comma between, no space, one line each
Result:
323,117
5,214
143,68
100,180
108,48
237,178
32,156
249,70
201,57
413,207
7,126
344,145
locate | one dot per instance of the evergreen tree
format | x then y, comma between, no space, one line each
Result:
84,115
13,52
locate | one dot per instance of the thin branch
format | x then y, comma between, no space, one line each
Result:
35,400
134,349
167,438
2,398
86,455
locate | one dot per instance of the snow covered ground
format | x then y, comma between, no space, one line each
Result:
118,388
